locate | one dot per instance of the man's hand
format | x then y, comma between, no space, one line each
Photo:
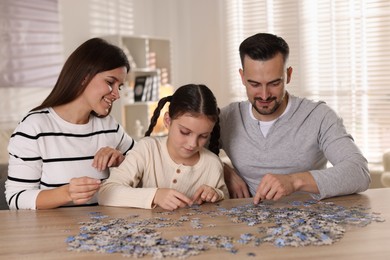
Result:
273,187
107,157
171,199
276,186
235,184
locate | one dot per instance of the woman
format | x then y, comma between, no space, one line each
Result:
61,150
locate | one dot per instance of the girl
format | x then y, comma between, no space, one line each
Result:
61,150
173,171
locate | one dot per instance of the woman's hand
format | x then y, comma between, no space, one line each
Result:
171,199
79,191
82,189
205,193
107,157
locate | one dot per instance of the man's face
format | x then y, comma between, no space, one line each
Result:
265,86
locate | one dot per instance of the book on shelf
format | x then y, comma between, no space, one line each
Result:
146,88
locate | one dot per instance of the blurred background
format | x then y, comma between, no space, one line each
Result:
339,52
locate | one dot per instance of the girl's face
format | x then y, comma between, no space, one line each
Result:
103,90
186,136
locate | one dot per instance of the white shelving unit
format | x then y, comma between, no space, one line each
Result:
148,56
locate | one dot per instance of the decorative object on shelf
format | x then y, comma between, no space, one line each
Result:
138,130
127,93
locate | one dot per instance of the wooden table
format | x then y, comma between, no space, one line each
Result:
41,234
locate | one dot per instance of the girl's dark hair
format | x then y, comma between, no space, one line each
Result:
195,100
90,58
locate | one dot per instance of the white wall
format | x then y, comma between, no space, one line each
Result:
193,26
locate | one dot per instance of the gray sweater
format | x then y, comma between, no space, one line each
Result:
304,139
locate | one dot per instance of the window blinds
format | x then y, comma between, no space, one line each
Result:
339,52
31,45
111,17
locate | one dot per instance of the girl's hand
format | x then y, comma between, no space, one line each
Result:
205,193
171,199
82,189
107,157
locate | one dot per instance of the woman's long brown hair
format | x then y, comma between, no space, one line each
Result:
90,58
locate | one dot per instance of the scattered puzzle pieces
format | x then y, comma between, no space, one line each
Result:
301,223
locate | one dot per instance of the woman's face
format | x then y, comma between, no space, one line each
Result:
103,90
187,134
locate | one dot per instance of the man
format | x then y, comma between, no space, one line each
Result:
279,143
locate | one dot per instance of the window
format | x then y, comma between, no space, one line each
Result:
114,17
31,43
339,52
